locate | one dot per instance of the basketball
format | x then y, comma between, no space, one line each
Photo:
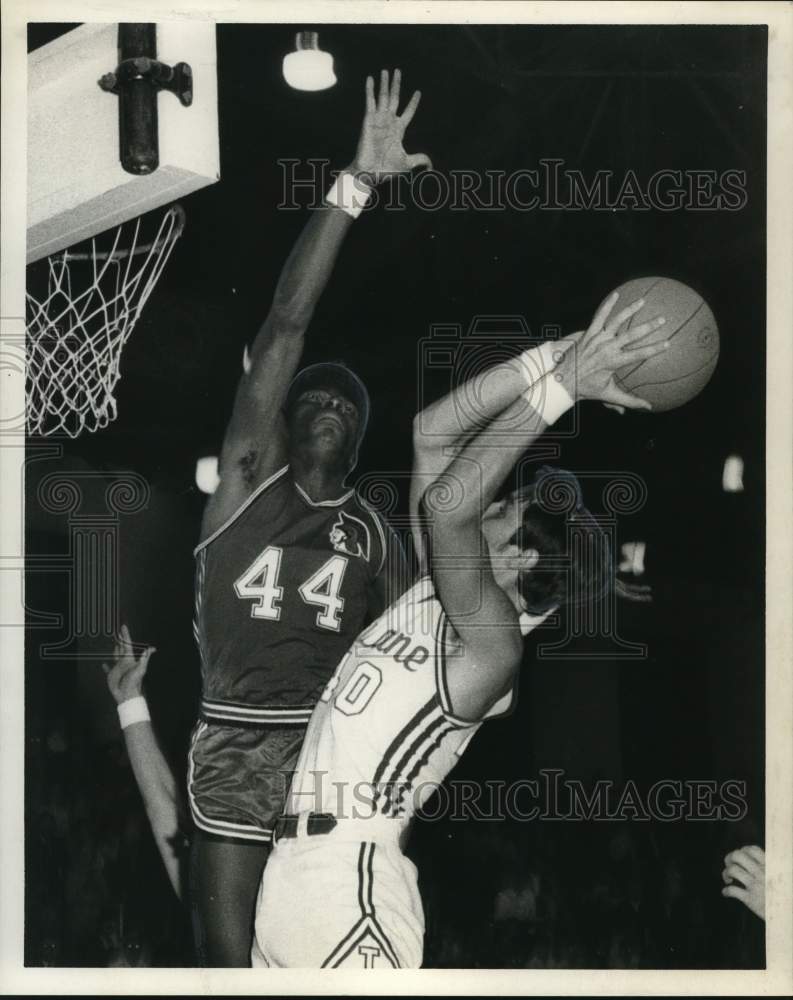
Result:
677,375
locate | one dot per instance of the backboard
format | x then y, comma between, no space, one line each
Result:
76,184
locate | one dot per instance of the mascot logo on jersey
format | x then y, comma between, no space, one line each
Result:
350,536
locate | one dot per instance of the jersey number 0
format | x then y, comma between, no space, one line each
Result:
259,583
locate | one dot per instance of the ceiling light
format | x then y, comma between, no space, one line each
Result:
308,67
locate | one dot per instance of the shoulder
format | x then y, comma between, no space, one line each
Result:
226,505
382,535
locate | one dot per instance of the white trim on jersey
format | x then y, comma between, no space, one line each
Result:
228,711
242,507
198,603
324,503
241,831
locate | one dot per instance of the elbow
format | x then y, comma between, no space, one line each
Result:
448,516
448,506
500,694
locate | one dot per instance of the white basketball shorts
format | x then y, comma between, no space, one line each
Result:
331,902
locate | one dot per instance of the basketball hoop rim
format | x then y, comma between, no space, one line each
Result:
64,256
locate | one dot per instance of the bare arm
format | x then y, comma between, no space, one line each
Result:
444,427
154,777
160,797
480,611
483,616
255,442
474,403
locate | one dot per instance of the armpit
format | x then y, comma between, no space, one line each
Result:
248,466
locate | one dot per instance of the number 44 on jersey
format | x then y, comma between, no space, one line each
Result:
259,583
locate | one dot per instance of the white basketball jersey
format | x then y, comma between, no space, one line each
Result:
383,736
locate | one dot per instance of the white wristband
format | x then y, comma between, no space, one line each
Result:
538,361
349,194
549,398
133,710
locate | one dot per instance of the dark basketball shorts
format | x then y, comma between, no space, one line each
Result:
238,778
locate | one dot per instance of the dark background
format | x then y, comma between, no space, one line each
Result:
619,98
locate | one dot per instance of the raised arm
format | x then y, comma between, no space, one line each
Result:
482,614
443,427
255,442
154,777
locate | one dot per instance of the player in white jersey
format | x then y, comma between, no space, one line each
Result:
416,685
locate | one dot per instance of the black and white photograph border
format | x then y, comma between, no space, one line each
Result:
590,682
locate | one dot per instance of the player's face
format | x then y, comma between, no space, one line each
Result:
326,419
502,519
500,523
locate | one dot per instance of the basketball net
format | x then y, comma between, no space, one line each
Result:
76,332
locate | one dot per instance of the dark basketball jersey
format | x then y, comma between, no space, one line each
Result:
281,592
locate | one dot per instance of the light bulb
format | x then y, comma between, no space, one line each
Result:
732,476
308,67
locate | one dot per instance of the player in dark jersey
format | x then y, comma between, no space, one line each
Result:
291,562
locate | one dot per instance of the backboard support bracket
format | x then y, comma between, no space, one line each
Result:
136,81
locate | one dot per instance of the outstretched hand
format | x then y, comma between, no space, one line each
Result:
380,152
601,350
744,875
125,677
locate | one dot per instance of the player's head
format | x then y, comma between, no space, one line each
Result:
529,536
327,410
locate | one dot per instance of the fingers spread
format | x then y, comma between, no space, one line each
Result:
382,97
602,314
370,102
623,316
145,656
419,160
407,115
124,642
393,102
642,353
629,335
